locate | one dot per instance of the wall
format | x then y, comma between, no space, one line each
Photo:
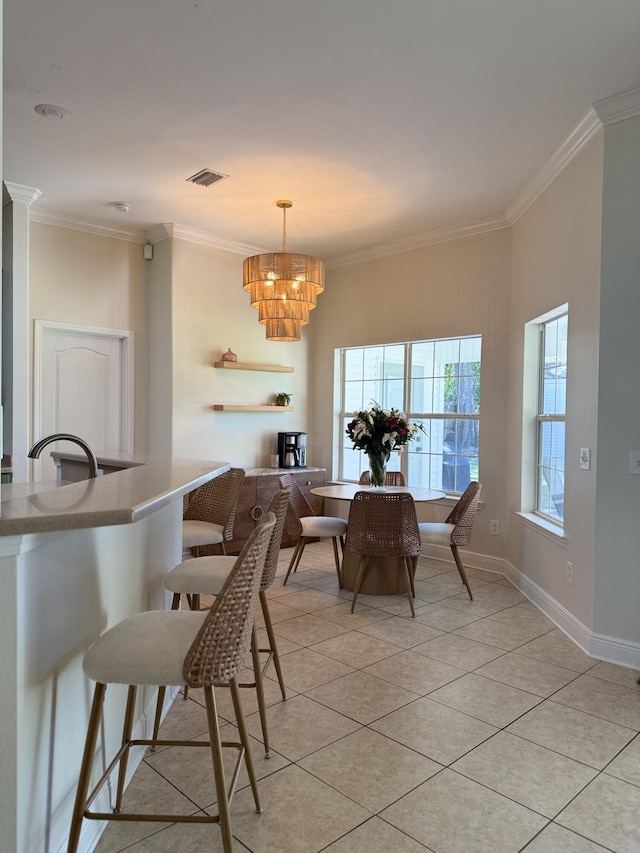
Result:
449,289
556,259
82,278
617,530
211,313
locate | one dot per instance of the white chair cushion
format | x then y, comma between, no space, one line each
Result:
435,533
323,526
200,576
201,533
148,648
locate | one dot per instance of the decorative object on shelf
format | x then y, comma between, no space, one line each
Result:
378,432
283,399
229,356
283,286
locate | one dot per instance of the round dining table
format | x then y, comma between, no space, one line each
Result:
384,575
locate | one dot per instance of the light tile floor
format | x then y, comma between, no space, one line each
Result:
478,727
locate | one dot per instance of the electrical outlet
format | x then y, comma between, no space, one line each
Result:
494,527
634,462
569,572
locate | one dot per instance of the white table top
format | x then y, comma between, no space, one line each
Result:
346,491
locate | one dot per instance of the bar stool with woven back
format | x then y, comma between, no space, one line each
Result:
168,647
311,526
206,576
210,511
384,524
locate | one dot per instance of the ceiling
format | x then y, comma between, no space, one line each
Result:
380,120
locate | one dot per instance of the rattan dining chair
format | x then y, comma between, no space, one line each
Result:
210,511
166,647
391,478
455,530
384,524
311,526
206,576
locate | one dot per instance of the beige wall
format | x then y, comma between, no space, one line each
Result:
449,289
617,584
211,313
556,259
86,279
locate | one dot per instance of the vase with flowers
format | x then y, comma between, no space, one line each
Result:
378,433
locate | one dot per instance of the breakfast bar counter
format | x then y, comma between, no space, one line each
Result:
74,560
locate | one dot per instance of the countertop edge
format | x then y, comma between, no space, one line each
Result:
122,497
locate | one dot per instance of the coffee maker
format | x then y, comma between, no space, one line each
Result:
292,449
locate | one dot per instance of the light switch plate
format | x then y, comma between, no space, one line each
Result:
585,458
634,462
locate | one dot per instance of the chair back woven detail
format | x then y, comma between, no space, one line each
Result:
383,524
463,514
278,506
223,641
216,501
299,504
391,478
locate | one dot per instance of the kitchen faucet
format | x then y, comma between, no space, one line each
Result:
39,446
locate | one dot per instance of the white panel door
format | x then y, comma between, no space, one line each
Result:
83,386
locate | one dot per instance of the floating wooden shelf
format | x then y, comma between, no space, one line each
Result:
239,365
224,407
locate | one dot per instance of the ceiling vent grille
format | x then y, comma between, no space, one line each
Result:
206,178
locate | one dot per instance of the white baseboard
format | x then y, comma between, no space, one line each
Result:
598,646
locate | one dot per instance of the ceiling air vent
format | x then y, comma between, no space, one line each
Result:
206,177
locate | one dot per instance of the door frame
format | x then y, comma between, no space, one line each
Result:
42,327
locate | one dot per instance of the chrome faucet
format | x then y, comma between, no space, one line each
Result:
39,446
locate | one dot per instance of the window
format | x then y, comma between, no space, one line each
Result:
552,408
434,382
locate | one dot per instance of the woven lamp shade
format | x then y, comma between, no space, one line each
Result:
287,267
283,286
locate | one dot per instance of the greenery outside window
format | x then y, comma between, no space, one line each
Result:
435,382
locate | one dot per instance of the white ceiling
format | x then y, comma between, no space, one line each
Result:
379,119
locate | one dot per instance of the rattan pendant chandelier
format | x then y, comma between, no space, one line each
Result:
283,287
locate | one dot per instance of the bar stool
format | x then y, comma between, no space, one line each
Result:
166,647
384,524
206,576
210,511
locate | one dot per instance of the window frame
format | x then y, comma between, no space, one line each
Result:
402,463
544,418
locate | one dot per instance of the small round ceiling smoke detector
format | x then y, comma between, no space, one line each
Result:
51,111
122,206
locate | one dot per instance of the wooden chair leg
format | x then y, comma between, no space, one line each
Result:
461,569
337,559
272,641
126,739
358,583
218,770
85,770
408,585
244,739
257,673
295,559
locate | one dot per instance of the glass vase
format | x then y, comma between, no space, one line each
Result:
377,468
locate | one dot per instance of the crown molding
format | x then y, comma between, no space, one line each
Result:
587,129
418,241
215,241
19,192
618,107
52,217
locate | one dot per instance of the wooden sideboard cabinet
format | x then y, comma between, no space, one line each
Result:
260,485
